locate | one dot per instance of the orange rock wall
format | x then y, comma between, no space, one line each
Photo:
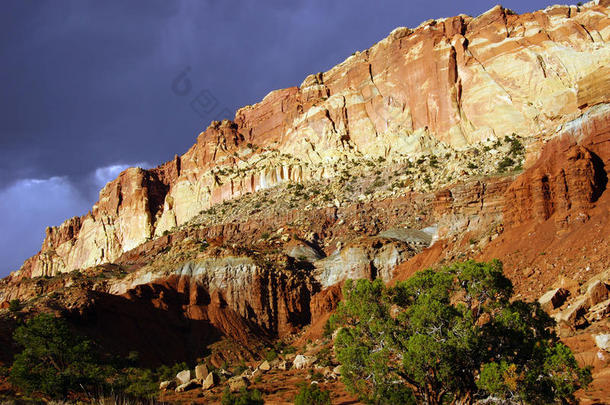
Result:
451,82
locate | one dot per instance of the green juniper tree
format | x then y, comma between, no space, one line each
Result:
451,336
54,360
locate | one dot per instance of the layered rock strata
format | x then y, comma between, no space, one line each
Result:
443,86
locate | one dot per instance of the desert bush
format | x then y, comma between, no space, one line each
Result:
324,357
516,147
312,394
14,305
240,368
271,355
244,397
505,164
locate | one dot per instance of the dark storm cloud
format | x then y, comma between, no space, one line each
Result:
86,85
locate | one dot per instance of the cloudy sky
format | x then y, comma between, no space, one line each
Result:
88,88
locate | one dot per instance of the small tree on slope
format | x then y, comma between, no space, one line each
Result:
451,336
54,360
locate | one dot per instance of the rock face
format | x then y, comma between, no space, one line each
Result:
368,258
597,292
568,177
553,299
447,84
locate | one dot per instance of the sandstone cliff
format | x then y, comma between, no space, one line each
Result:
480,138
446,85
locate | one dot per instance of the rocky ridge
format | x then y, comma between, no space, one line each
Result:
439,89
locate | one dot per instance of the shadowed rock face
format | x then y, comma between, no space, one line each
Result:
448,83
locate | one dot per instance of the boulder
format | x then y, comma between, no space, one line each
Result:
597,292
302,251
598,312
187,386
264,366
301,362
237,383
569,284
210,381
167,385
337,370
412,236
252,374
575,311
283,365
553,299
603,341
201,371
183,377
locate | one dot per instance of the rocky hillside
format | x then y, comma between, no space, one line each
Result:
440,89
484,137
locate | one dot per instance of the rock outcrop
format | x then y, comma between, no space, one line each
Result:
443,86
568,177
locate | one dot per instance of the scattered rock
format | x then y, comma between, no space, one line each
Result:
167,385
301,251
201,371
301,361
598,312
575,311
264,366
597,292
283,365
326,371
210,381
187,386
237,383
553,299
183,377
603,341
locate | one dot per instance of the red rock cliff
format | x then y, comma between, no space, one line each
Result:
448,83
